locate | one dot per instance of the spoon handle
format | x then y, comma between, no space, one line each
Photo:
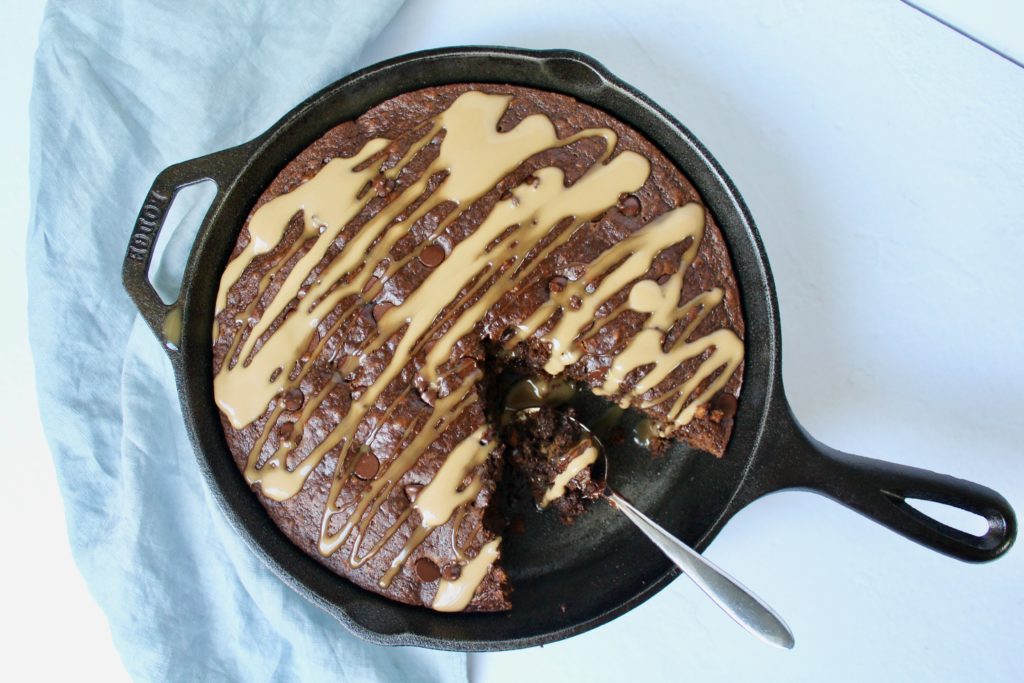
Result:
738,602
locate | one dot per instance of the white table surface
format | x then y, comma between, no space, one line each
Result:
882,156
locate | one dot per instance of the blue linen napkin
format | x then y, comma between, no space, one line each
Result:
123,89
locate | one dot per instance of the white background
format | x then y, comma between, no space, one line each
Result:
882,156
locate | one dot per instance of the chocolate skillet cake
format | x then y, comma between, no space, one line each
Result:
400,265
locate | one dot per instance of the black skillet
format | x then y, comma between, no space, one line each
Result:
567,580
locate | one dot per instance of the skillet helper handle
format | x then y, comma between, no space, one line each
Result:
880,490
165,319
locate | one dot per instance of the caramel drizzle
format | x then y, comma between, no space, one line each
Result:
488,264
454,596
579,457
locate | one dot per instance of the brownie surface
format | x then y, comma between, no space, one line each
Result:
408,400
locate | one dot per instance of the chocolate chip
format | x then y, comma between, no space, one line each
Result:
293,399
532,180
398,503
451,571
724,402
411,491
367,466
507,333
429,397
380,309
575,302
663,279
557,284
506,195
432,255
369,284
629,205
427,570
286,431
384,185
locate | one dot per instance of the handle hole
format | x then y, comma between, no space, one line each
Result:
952,516
188,208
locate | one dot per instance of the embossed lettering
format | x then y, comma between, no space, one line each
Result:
147,224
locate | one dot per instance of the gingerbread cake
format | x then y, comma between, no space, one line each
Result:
405,262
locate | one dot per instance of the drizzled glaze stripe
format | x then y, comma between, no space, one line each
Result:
580,456
500,255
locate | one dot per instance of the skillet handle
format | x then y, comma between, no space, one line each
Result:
879,490
220,167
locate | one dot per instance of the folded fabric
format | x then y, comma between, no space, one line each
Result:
123,89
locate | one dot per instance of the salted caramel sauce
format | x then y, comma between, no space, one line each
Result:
476,157
454,596
445,492
471,126
534,392
580,456
643,433
501,253
172,328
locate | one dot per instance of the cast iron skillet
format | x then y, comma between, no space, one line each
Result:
567,580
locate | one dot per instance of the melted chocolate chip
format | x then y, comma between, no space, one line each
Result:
427,570
367,466
284,430
293,399
557,284
398,503
725,403
384,185
507,333
451,571
432,255
369,284
663,279
575,302
629,205
380,309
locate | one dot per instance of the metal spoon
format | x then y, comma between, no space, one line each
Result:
745,608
